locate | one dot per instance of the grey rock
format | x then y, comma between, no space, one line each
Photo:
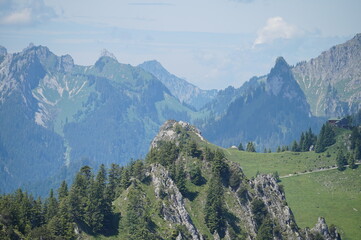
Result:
331,81
174,211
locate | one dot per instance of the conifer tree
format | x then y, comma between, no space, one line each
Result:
240,147
294,147
137,217
63,191
357,150
351,161
250,147
51,206
355,136
340,160
114,177
180,179
302,141
95,210
213,210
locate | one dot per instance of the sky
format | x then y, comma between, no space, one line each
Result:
210,43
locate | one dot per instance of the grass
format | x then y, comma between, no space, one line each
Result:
333,194
284,163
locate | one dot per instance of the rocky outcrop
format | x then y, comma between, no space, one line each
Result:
168,132
267,189
173,210
322,230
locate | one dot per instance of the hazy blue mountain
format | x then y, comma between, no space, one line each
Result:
331,81
180,88
56,115
270,111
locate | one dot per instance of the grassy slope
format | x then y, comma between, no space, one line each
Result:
332,194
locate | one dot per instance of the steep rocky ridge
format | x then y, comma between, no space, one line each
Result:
331,81
241,201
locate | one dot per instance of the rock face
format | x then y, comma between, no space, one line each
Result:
174,210
331,81
321,229
180,88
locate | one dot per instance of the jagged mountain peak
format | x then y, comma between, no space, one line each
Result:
106,53
280,61
281,66
281,81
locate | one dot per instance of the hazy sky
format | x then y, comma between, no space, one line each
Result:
210,43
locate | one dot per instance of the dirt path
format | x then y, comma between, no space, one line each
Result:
314,171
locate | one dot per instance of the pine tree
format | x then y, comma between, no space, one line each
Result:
180,179
320,145
357,151
114,180
208,155
234,179
196,175
98,205
294,147
259,211
250,147
355,136
137,218
193,150
278,149
213,210
351,161
340,160
51,206
63,191
78,195
302,141
325,138
125,179
240,147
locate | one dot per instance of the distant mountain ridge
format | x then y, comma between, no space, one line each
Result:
332,81
270,111
180,88
56,115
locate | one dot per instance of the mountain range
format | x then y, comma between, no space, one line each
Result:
56,116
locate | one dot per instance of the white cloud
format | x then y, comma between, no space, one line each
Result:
276,28
26,12
17,18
